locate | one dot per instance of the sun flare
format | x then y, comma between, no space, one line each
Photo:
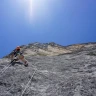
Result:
27,7
34,10
30,8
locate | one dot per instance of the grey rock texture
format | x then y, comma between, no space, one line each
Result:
70,74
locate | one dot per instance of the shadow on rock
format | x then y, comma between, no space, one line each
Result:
17,62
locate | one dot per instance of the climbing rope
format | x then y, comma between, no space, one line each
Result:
4,69
28,83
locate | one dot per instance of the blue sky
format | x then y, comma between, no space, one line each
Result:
61,21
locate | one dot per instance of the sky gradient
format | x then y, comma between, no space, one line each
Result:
61,21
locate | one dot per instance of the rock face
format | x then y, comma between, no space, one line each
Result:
62,71
53,49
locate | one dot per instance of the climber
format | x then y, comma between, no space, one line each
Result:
17,55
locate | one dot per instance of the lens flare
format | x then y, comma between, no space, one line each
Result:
30,9
35,10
